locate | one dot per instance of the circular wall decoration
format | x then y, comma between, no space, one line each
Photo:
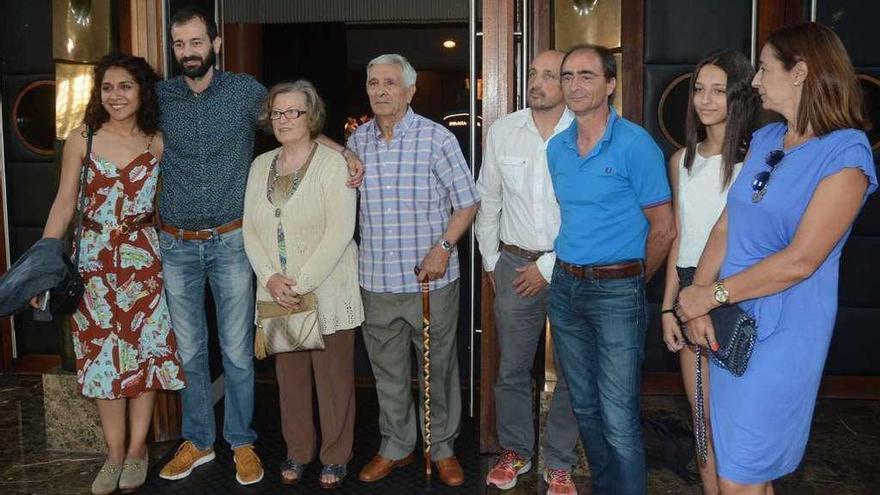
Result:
33,117
672,109
871,90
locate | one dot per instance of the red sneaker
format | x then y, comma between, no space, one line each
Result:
559,482
506,469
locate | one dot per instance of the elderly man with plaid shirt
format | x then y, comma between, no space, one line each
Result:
417,199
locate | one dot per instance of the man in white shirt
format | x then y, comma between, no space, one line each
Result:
516,225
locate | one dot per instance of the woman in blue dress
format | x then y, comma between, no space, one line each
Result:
775,252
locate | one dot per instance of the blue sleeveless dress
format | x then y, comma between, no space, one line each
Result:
761,420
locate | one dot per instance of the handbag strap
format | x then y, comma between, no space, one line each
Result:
80,200
700,432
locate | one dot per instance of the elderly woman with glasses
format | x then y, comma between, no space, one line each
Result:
299,220
775,252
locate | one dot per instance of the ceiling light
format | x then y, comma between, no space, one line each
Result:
449,44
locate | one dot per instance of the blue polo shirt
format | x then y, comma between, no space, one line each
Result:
601,196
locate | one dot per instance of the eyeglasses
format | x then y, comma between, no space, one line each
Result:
759,183
291,114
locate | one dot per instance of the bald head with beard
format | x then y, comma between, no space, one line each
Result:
545,91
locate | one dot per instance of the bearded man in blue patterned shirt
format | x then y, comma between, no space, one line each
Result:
209,118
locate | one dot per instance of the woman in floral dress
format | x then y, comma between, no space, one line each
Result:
122,336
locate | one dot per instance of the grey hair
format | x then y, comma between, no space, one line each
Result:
409,73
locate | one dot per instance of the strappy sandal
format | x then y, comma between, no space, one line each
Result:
291,466
337,470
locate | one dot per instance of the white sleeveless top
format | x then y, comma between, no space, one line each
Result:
700,202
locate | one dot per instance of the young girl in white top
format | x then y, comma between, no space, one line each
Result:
720,118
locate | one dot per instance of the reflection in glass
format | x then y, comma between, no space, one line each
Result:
74,84
81,29
599,23
595,22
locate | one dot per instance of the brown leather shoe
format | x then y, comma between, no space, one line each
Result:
380,467
450,471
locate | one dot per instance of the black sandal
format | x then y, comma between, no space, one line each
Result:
291,466
337,470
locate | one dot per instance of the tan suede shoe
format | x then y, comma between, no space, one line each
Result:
107,480
134,474
380,467
248,468
187,458
450,471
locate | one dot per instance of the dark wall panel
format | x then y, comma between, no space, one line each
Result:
868,221
294,51
31,174
858,259
26,37
855,22
684,31
855,344
32,191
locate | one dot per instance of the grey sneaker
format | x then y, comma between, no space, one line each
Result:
134,473
107,480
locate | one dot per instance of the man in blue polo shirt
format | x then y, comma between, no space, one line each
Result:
617,226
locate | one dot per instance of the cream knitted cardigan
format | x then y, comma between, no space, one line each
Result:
318,222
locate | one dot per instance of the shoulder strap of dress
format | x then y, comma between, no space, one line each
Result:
150,142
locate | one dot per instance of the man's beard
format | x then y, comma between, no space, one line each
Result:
539,102
200,70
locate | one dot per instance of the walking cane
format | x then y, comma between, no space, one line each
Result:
426,369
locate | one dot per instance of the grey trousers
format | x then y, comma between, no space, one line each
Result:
393,326
519,322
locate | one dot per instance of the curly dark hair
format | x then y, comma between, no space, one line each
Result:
146,77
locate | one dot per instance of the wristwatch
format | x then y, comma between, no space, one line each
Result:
721,294
447,246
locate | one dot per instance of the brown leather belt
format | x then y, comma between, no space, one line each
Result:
619,270
522,253
201,235
127,226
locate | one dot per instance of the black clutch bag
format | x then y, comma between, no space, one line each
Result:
65,297
736,333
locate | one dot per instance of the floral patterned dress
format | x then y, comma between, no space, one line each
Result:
122,333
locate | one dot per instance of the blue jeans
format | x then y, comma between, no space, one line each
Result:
222,262
599,330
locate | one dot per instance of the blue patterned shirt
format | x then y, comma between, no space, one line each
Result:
209,145
411,184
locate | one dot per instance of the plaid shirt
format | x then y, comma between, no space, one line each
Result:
410,185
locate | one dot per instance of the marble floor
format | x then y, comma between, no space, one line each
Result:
843,457
27,467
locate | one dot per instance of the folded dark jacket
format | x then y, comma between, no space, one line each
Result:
41,268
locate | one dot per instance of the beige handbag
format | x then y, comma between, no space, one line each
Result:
287,330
